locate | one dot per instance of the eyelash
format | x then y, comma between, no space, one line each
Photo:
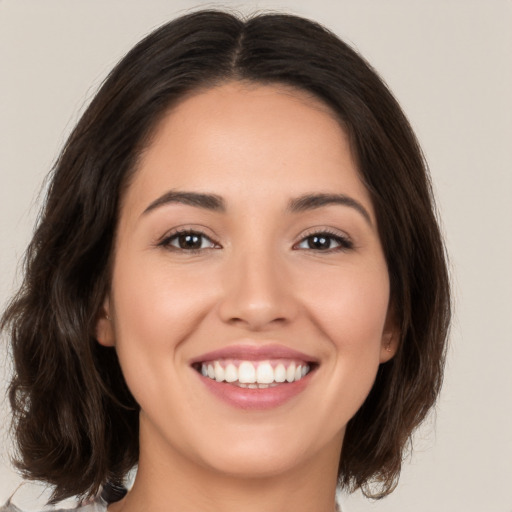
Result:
344,243
167,241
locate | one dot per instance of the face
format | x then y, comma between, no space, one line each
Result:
249,298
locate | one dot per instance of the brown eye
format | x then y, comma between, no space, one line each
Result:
188,241
319,242
325,242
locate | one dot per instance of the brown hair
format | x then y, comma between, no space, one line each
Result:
75,421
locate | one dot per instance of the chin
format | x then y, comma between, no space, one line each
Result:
250,463
265,453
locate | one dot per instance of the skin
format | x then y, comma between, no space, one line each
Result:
257,280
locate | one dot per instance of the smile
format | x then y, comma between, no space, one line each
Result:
255,374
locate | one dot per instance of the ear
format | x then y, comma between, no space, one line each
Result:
104,326
390,337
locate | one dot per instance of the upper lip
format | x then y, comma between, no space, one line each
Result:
254,352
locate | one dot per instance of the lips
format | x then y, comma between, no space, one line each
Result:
255,376
254,352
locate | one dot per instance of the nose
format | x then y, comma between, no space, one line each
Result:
257,295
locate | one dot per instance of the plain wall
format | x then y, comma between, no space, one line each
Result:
450,65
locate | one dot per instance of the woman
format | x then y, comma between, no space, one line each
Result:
237,283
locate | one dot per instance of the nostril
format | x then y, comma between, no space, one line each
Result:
257,322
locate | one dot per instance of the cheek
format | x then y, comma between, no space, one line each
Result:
157,300
347,306
350,305
351,312
156,308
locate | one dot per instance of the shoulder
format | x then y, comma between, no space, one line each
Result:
35,496
14,504
95,506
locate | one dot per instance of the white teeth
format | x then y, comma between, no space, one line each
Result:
256,386
264,373
231,373
219,372
259,375
290,373
246,373
280,373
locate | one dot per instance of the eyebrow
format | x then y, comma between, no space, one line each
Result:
299,204
207,201
314,201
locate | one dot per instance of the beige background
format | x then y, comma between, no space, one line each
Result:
449,64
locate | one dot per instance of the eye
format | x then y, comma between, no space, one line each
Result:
188,240
325,242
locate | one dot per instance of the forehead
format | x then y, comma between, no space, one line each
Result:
238,138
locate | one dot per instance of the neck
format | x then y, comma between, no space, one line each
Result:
168,481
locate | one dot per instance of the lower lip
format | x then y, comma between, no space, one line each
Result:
254,399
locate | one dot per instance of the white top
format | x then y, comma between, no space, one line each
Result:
98,505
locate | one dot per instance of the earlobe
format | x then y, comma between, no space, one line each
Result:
389,346
390,339
104,326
